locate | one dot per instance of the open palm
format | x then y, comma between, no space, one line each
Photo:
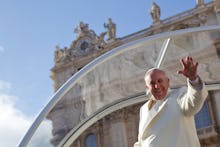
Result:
189,68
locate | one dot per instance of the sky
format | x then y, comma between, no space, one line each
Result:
30,31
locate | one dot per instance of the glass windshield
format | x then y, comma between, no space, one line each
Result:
119,74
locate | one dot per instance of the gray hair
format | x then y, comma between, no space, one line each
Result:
149,71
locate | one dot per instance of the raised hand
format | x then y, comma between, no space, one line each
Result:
189,68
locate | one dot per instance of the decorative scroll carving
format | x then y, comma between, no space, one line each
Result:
100,42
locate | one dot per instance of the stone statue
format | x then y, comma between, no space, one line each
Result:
200,2
111,29
155,12
81,29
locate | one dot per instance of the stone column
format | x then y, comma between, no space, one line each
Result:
117,129
130,125
106,137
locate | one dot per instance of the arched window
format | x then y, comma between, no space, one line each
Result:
91,140
202,118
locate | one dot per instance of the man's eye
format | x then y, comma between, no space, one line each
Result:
160,81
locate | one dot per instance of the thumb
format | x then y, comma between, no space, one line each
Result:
180,72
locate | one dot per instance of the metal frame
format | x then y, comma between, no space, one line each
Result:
110,54
81,127
162,53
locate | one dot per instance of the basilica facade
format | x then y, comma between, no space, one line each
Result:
122,79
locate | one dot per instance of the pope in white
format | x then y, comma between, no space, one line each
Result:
167,118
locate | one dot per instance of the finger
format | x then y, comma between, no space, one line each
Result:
188,59
191,60
196,65
183,63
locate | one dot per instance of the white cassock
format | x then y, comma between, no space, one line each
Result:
170,123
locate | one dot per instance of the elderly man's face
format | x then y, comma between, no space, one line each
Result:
157,83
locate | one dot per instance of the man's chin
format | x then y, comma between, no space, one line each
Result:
159,97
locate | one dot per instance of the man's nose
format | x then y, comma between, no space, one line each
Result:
156,86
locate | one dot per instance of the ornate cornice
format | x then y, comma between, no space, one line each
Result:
87,45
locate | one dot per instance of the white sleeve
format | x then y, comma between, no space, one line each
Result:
194,98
